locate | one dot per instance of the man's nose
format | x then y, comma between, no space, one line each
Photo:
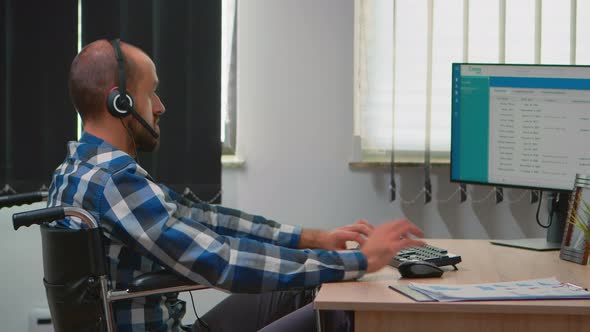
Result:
160,108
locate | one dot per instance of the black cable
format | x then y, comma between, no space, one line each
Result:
190,195
199,320
392,186
550,211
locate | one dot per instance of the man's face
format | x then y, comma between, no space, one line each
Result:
148,105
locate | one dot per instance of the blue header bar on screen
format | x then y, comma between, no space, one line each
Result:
541,83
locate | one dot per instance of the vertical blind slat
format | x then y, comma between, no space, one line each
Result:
520,31
538,27
582,32
573,32
428,123
465,30
502,32
411,67
483,30
393,75
556,32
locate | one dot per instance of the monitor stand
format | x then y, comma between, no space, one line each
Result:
539,244
554,232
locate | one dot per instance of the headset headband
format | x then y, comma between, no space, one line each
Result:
122,86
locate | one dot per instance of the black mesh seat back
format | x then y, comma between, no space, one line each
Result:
73,260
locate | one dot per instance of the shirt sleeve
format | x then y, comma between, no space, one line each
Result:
235,223
137,213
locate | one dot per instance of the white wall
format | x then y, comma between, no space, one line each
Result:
295,98
295,120
21,276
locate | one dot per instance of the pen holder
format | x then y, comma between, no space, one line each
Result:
575,246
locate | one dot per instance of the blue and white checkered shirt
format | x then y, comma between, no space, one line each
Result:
148,227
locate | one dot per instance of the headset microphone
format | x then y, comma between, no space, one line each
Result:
144,124
119,102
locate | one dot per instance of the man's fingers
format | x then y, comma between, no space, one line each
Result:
403,227
361,240
359,228
364,222
343,236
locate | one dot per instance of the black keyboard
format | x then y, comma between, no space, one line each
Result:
432,254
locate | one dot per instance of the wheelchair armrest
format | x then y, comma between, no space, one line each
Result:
158,280
46,215
20,199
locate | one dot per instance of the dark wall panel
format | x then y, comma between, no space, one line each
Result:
100,20
188,56
184,40
40,119
4,119
138,22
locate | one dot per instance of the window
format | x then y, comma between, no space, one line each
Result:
404,50
228,76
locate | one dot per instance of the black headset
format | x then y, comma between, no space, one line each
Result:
119,102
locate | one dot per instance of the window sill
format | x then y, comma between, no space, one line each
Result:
382,164
232,161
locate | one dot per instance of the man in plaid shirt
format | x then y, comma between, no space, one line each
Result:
148,227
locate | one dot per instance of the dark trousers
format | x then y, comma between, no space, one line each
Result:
276,311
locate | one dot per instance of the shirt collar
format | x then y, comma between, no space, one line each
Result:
96,151
91,139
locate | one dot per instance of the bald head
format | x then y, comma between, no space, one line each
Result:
94,72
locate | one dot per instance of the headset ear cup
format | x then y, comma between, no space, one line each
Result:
114,105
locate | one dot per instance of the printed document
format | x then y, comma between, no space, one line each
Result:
536,289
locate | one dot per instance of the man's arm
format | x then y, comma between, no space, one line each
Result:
137,213
235,223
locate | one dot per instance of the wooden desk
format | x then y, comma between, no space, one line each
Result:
378,308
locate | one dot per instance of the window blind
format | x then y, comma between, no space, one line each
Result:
404,50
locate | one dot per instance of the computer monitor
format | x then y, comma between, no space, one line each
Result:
524,126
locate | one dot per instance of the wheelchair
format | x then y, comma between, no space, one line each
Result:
74,265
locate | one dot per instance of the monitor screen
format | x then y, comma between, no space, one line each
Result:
520,125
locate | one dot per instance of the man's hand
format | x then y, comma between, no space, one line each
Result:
386,240
336,239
